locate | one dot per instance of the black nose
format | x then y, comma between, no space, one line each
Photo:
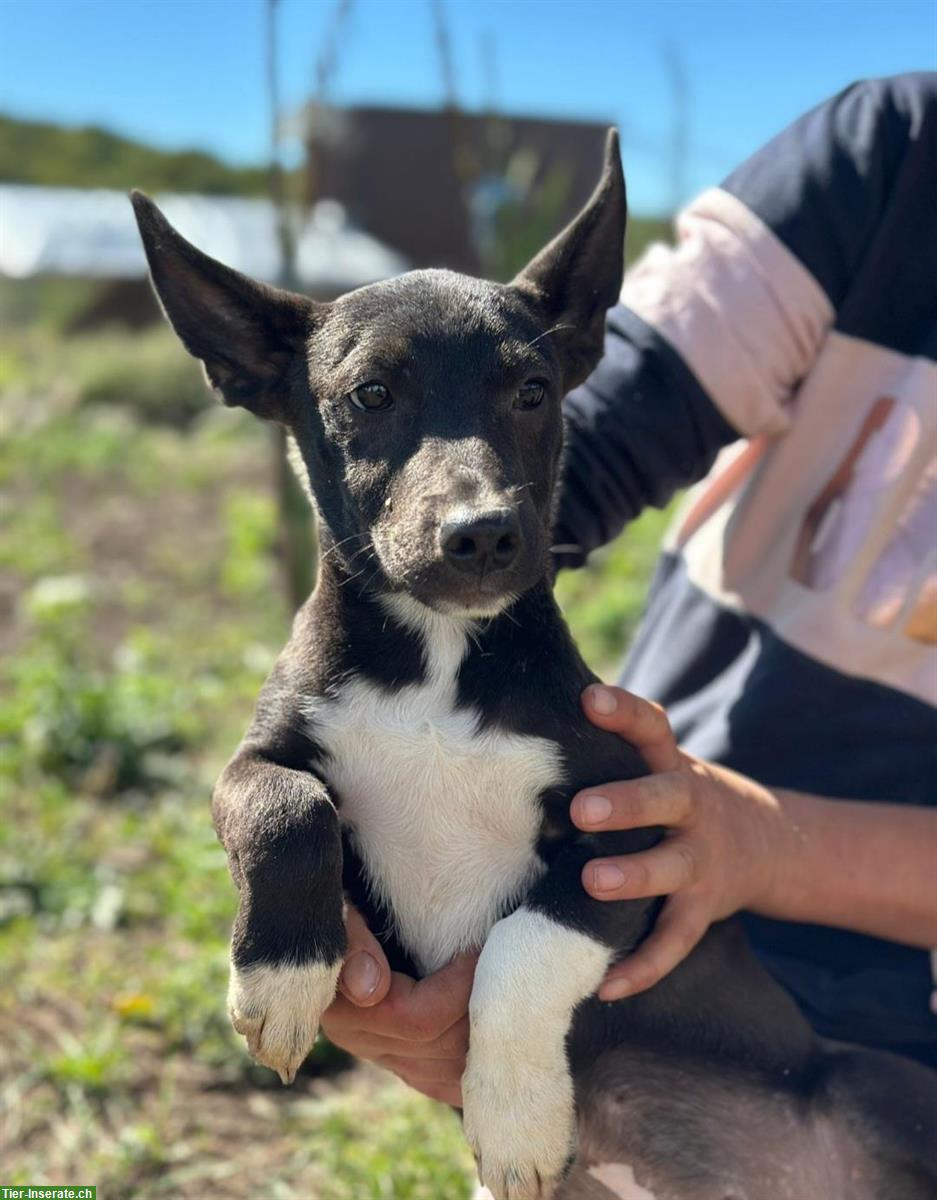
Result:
487,542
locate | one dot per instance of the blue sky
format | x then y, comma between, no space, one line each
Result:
190,72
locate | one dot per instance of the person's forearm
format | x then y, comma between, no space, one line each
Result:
867,867
637,430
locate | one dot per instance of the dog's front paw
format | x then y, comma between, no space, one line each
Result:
278,1010
520,1121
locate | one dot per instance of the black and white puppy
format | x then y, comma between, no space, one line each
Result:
418,743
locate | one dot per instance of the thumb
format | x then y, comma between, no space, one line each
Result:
365,976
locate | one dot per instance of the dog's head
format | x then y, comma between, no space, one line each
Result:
426,408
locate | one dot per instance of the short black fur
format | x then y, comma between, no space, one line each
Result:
459,359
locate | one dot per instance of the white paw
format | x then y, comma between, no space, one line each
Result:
278,1010
520,1120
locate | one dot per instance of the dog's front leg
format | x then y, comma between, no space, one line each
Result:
281,832
536,967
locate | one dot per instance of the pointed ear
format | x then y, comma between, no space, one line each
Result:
247,335
577,277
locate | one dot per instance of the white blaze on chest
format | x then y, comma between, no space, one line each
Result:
444,816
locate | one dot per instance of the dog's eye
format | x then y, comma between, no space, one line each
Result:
371,397
530,395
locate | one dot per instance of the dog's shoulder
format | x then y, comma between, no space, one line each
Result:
526,675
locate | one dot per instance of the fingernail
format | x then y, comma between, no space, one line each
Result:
360,976
615,989
594,809
606,877
603,700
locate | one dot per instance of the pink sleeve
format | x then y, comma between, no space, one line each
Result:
739,308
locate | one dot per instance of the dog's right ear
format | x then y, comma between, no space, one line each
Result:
246,334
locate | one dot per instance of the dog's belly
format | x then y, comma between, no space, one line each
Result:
444,816
655,1129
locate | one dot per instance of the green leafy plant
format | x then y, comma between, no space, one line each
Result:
100,731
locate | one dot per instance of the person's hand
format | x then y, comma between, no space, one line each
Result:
723,835
416,1029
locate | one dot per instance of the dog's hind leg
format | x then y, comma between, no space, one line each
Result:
889,1105
855,1125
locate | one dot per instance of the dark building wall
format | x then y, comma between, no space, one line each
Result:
405,175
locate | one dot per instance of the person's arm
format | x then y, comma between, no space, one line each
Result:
637,430
735,845
714,335
855,865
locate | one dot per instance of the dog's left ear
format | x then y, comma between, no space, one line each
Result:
247,335
577,277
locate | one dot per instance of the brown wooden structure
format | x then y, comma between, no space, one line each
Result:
407,175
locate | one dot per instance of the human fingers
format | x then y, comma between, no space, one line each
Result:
641,722
351,1029
683,921
663,799
425,1009
422,1010
671,865
365,977
415,1071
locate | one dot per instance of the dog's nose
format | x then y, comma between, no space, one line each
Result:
487,542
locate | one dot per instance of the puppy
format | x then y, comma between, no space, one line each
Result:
420,738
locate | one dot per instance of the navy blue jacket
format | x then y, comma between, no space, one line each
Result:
783,358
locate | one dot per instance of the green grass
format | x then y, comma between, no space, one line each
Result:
138,569
603,602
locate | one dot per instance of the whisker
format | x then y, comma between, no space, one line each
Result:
547,332
370,579
331,550
358,574
513,620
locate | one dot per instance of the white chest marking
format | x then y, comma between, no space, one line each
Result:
445,816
